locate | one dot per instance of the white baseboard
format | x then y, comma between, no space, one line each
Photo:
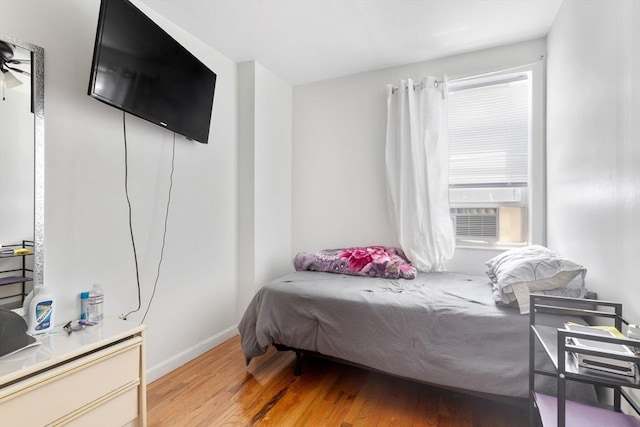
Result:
189,354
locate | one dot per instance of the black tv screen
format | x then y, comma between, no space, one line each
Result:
139,68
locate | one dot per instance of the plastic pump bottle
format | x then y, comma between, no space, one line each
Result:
41,311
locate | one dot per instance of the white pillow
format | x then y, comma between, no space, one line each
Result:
535,269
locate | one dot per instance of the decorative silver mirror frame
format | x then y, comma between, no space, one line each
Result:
37,94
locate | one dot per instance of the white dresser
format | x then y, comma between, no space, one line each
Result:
94,376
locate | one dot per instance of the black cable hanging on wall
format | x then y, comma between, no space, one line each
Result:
126,192
164,233
166,219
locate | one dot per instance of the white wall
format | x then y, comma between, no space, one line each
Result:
246,181
264,177
339,187
593,144
273,121
87,235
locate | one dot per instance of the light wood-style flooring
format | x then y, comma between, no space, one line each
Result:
218,389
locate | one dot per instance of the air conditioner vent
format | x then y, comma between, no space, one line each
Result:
479,223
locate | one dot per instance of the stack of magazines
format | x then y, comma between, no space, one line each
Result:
602,363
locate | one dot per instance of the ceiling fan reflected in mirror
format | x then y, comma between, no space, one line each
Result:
14,70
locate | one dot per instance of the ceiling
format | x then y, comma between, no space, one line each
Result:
304,41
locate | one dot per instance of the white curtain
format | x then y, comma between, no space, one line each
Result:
417,163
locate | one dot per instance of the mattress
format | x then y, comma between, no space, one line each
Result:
440,328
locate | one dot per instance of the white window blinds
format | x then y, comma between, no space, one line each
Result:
489,131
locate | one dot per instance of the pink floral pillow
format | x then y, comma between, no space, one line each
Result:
373,261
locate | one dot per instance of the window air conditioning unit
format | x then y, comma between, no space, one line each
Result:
503,224
476,223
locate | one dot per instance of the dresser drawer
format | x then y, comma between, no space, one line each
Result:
49,396
117,411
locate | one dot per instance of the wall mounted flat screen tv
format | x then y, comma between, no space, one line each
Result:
140,69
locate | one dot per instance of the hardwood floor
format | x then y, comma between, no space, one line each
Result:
218,389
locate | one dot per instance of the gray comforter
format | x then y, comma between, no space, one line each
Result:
441,328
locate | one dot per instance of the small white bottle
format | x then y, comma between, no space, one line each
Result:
41,311
96,304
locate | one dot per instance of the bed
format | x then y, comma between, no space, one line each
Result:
443,329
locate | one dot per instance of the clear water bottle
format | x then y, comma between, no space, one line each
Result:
96,304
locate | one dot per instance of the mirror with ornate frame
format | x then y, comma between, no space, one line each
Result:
21,162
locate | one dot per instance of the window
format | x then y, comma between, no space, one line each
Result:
492,132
